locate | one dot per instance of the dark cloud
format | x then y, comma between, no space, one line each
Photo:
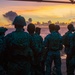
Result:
10,15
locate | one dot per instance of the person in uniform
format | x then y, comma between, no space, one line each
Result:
70,52
52,44
2,50
68,43
37,48
19,52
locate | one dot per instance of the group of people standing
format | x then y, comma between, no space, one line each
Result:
26,53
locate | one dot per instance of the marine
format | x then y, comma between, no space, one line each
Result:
68,43
18,46
38,31
37,48
52,44
71,54
2,51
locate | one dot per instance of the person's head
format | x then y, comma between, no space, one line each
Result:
57,28
31,28
19,22
70,27
3,30
52,27
37,30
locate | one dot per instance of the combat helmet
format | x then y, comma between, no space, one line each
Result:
19,20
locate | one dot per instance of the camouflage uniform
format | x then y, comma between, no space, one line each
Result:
19,53
18,46
37,48
2,51
52,55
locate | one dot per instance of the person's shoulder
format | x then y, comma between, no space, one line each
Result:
66,33
74,34
48,36
9,34
26,34
36,35
40,36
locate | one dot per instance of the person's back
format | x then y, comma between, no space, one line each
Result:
38,39
68,43
19,42
57,28
37,46
52,43
19,53
71,61
2,51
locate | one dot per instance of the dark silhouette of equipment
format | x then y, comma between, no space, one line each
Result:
51,1
72,1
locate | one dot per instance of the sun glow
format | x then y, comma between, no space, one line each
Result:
42,12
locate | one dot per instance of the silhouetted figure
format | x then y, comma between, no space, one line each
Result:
41,63
68,43
57,28
2,51
37,30
19,52
52,43
71,60
72,1
31,29
37,48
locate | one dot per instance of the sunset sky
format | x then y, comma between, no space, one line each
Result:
38,11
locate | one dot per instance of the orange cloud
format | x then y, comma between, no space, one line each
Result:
43,12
